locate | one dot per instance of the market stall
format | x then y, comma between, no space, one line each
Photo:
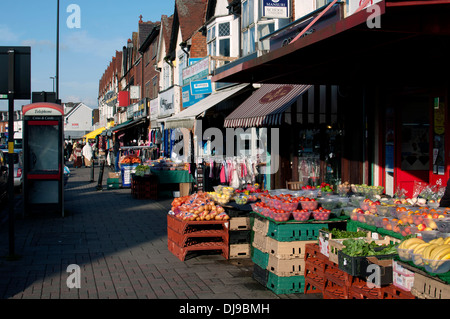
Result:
324,240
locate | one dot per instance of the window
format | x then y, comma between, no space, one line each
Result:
263,30
219,44
248,27
155,87
321,3
248,12
248,41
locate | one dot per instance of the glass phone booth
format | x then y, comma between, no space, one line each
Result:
43,151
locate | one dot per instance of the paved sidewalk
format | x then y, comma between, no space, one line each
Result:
120,244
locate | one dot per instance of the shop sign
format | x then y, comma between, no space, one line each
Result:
130,110
196,71
124,98
201,87
135,92
166,102
154,107
276,9
194,60
140,109
110,98
190,99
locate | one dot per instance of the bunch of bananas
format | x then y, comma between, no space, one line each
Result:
432,254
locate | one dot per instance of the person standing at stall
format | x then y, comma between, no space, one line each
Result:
445,200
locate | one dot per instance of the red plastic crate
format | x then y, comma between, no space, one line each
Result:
360,290
314,283
313,251
183,240
181,252
335,292
394,292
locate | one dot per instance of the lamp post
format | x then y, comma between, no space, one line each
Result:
53,78
57,52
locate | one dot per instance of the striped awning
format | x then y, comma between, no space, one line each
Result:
266,106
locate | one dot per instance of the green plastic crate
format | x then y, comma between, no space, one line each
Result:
295,231
260,258
286,285
112,183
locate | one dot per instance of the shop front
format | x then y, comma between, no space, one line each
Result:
391,94
307,148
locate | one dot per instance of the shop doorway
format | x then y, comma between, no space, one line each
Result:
412,162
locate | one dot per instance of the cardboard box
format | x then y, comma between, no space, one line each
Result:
426,287
286,267
185,189
402,277
113,175
385,272
287,249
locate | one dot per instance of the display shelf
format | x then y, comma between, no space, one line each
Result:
197,236
181,252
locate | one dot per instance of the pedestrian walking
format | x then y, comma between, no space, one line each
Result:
69,150
77,152
87,154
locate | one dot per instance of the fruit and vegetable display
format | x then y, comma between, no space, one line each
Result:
405,220
142,170
198,207
222,194
130,159
285,207
342,234
433,255
165,164
361,247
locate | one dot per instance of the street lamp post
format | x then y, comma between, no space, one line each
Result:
53,78
57,52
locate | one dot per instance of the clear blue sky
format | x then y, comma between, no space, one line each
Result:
85,52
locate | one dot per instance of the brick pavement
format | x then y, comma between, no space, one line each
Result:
120,244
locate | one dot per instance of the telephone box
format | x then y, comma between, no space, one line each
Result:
43,151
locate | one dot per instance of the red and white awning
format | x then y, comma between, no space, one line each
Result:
266,106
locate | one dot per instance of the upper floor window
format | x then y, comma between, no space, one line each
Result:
218,39
248,13
248,27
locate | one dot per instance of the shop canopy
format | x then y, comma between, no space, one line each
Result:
409,46
128,124
266,106
94,133
186,118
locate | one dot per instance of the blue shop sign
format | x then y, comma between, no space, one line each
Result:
201,87
190,99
